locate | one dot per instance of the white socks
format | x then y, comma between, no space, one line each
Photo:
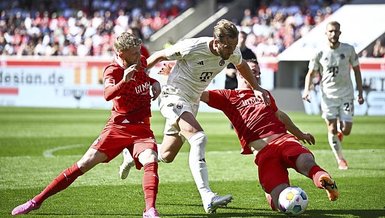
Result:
198,165
335,145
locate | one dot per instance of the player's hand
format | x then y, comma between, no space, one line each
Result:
129,72
262,95
307,138
166,69
360,99
306,96
155,88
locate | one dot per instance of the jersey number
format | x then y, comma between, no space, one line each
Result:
205,76
347,106
333,70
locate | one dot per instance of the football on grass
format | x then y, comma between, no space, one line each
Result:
293,201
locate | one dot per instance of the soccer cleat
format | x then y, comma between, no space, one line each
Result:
218,201
128,162
340,136
342,164
151,213
25,208
330,187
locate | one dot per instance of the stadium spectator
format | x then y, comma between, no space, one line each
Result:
78,23
262,131
128,126
333,62
198,61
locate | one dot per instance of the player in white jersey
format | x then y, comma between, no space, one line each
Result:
333,62
198,60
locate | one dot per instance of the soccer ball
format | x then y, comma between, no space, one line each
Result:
293,201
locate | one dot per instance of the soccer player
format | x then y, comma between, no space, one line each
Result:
128,86
198,60
333,63
262,130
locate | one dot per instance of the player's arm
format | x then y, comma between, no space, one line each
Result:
155,88
309,76
357,75
155,58
259,92
205,96
114,85
293,129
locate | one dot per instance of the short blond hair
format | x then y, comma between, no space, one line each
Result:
225,28
126,41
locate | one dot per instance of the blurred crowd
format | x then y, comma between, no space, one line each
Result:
88,27
79,27
275,24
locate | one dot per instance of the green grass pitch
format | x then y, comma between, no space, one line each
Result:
37,144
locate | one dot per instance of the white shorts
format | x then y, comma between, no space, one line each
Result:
341,108
172,106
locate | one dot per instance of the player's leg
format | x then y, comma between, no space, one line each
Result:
91,158
306,165
148,158
330,112
273,175
193,132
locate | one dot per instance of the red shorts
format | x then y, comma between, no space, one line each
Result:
274,160
115,137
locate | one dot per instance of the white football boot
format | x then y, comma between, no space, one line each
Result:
128,162
216,202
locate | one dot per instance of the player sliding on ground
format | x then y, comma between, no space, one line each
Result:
128,86
262,130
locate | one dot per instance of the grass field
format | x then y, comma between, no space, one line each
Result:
37,144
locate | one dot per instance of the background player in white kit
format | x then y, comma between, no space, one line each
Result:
333,62
198,61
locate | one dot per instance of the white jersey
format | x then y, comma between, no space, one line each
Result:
334,66
196,66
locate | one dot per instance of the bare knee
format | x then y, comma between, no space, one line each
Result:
148,156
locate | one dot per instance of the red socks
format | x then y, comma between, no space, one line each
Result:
62,181
150,184
315,173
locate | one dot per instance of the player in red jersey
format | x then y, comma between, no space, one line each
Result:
262,131
128,86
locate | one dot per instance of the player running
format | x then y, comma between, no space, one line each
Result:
128,86
333,62
262,130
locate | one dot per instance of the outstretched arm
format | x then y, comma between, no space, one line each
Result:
293,129
158,56
259,92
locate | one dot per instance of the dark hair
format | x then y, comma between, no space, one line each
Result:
254,60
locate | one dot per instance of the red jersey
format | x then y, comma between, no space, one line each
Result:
131,100
252,119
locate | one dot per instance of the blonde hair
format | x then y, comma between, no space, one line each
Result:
225,28
126,41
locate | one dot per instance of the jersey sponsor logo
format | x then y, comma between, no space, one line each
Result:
142,88
205,76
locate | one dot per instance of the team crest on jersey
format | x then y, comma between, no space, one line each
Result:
342,56
221,62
